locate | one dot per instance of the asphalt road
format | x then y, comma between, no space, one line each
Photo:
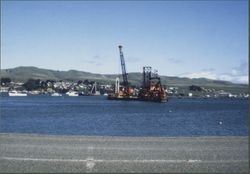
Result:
49,153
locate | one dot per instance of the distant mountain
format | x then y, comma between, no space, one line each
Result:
24,73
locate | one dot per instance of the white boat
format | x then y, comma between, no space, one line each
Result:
72,93
33,92
17,93
55,94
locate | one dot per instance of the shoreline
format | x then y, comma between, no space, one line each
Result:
120,137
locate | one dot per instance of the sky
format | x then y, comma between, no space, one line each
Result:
178,38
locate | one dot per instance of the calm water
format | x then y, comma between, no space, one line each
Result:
98,116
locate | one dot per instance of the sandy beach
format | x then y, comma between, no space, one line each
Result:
54,153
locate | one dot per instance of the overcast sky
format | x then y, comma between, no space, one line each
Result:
184,38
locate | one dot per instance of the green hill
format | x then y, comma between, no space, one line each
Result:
22,74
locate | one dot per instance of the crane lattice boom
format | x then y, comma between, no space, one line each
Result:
124,73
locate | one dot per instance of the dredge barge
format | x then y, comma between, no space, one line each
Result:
151,89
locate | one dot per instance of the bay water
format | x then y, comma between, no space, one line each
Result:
95,115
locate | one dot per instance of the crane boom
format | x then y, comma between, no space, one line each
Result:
124,73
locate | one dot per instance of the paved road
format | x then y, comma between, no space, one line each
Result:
49,153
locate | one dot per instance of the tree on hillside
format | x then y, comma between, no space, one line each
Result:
32,84
79,82
86,82
5,80
195,88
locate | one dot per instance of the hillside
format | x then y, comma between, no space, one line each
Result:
22,74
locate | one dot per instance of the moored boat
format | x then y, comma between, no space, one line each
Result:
72,93
55,94
17,93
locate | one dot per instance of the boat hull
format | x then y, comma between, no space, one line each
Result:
134,98
17,95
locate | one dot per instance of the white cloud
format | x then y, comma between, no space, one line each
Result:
201,74
232,77
242,68
234,72
243,79
238,74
